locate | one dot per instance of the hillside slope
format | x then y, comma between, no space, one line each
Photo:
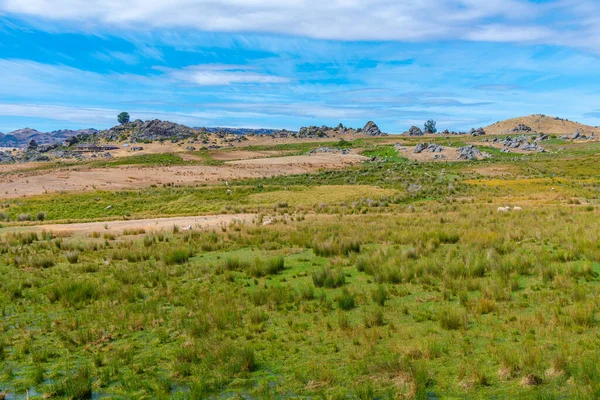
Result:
541,123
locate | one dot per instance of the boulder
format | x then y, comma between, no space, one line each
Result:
32,146
415,131
471,152
371,129
477,132
522,128
6,158
420,148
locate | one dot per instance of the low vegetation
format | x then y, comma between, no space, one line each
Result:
422,291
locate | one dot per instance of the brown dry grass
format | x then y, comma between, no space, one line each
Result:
541,123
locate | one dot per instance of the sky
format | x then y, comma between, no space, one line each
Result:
73,64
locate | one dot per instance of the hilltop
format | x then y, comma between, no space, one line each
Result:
21,137
541,123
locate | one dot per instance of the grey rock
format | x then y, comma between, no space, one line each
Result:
420,148
477,132
415,131
471,152
6,158
522,128
371,129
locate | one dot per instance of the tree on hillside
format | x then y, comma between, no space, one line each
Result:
123,118
430,127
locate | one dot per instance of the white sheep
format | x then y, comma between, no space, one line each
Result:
503,209
187,228
517,208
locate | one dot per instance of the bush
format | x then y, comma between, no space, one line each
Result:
4,217
326,277
40,216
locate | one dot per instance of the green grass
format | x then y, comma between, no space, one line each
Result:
388,153
427,303
422,291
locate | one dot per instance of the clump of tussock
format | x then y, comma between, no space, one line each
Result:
329,278
177,256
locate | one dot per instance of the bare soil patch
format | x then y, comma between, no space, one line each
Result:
449,154
153,224
132,177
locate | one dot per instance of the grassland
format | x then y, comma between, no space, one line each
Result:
392,279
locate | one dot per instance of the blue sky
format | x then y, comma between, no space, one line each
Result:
288,63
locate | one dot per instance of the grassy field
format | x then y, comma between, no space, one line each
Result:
391,279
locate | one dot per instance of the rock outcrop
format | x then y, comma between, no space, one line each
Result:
471,152
6,158
415,131
149,130
371,129
522,128
477,132
430,147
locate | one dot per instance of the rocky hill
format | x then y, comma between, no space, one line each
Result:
149,130
22,137
542,124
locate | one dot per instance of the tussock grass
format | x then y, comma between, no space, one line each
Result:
329,278
414,294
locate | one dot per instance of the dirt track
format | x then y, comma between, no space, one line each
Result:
19,184
153,224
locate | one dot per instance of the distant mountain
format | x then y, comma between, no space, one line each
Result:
21,137
241,131
542,124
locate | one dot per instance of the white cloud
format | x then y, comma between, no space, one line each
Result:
404,20
220,75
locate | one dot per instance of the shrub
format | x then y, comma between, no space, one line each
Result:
4,217
40,216
326,277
